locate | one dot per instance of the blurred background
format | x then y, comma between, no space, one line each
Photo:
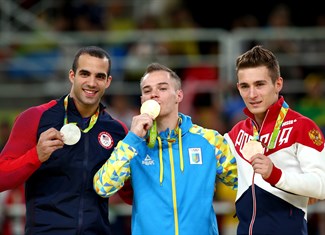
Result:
198,39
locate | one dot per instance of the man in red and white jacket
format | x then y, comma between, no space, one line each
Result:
280,153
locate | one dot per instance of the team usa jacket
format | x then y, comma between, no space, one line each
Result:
174,181
278,205
60,198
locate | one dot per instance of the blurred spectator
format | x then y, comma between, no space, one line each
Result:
63,16
232,106
144,50
180,18
202,72
277,21
313,103
205,112
199,83
89,16
12,202
34,65
280,16
118,16
12,210
36,57
315,46
247,21
120,107
227,221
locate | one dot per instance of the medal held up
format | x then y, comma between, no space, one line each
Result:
251,148
152,108
71,133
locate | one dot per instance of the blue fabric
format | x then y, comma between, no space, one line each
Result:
60,199
274,215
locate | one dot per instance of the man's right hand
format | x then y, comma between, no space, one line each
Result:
141,124
49,141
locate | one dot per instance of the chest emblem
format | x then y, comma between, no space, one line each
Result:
316,137
148,161
195,155
105,140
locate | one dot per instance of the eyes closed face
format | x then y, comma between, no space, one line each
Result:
257,89
159,86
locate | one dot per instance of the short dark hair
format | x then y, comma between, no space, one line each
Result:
259,56
160,67
92,51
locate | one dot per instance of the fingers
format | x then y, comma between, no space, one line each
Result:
141,124
262,165
49,141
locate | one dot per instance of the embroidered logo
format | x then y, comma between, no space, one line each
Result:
195,155
105,140
315,136
148,161
289,122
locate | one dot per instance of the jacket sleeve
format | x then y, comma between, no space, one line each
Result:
19,159
226,162
309,150
112,175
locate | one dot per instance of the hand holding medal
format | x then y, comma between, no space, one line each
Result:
251,148
70,131
152,108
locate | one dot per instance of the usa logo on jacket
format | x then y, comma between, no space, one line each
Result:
105,140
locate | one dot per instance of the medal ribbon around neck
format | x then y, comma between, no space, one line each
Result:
93,118
278,123
152,135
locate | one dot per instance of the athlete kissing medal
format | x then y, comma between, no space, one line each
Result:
251,148
71,133
152,108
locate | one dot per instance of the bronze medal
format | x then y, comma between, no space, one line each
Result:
251,148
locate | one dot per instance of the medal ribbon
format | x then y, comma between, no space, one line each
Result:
152,135
92,121
278,123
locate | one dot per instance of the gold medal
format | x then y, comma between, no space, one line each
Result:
71,133
251,148
150,107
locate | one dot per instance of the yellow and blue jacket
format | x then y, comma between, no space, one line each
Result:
174,181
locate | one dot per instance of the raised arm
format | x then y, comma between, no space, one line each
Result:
116,170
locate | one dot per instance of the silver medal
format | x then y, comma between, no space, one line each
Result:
71,133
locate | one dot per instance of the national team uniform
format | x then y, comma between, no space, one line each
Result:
174,181
60,198
274,206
